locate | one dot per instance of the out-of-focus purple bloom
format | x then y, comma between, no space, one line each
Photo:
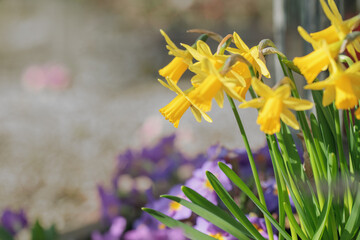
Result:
217,152
259,224
14,221
210,229
110,204
144,232
262,158
160,150
271,195
172,208
116,230
201,184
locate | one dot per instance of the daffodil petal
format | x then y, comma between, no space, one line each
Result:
261,89
254,103
203,48
334,9
289,119
298,104
357,113
283,91
263,69
328,96
167,39
305,35
319,85
355,68
329,14
240,43
193,52
219,98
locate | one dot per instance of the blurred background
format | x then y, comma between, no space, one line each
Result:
78,85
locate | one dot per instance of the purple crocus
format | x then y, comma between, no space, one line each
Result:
271,195
210,229
144,232
171,208
110,204
259,224
201,184
116,230
14,221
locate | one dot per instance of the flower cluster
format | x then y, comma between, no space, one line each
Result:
317,197
161,164
217,73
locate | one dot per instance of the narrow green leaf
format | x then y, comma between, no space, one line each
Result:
231,227
353,223
172,223
293,221
324,217
232,206
238,182
286,138
203,202
5,235
318,140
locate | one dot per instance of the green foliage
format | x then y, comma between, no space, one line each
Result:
38,232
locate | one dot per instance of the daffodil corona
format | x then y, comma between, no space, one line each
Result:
274,105
178,106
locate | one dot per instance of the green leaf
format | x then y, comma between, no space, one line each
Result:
172,223
318,140
293,221
231,227
232,206
353,223
5,235
324,217
296,168
203,202
238,182
38,232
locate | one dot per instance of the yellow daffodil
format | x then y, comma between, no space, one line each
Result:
213,86
176,68
274,105
252,55
341,86
209,83
178,106
357,113
318,60
339,28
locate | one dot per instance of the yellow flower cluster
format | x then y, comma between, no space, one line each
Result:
343,84
218,73
213,77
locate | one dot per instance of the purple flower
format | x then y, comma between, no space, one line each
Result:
110,204
217,152
201,184
259,224
210,229
171,208
14,221
271,195
116,230
143,232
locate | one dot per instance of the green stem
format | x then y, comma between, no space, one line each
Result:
343,164
252,164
